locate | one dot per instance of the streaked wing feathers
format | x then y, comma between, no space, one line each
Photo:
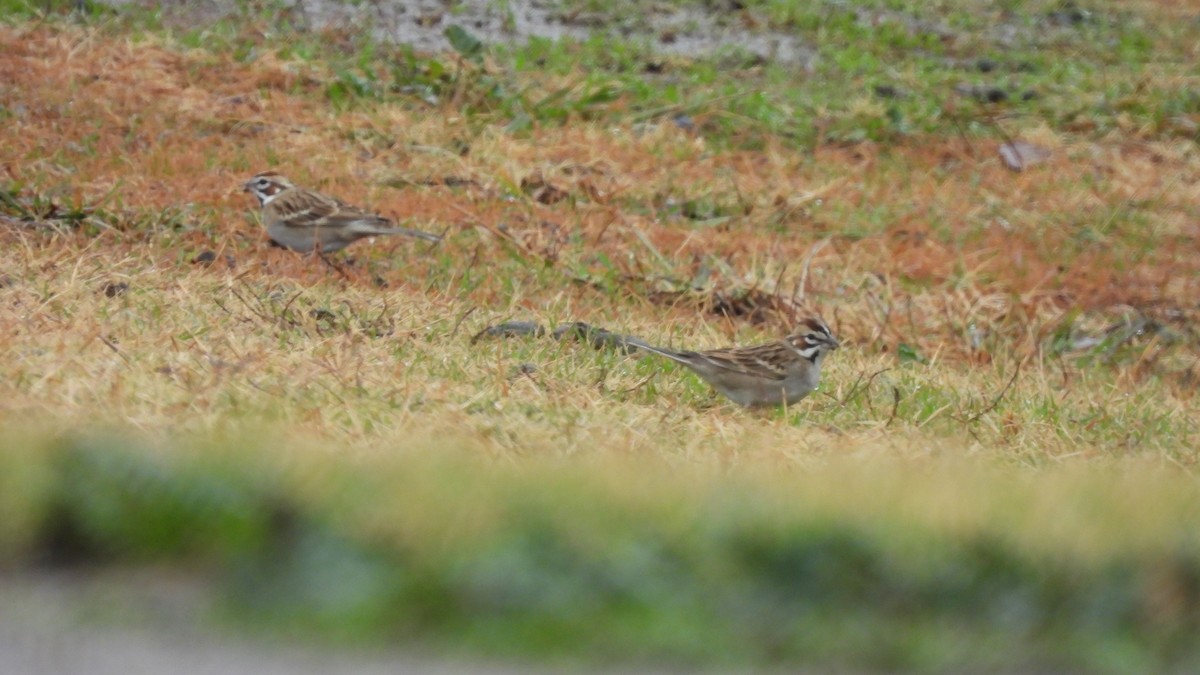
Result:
310,209
767,361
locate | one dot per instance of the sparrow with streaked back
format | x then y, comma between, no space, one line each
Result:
775,373
305,221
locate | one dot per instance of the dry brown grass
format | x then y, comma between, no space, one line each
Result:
174,129
931,244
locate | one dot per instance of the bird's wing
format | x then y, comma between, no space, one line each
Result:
312,209
767,361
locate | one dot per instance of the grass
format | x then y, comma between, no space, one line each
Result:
1003,453
606,558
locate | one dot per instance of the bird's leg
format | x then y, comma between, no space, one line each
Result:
331,263
336,267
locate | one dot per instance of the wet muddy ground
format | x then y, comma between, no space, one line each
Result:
663,28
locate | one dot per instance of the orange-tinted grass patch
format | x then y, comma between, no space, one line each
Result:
155,128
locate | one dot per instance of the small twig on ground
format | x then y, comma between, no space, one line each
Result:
116,350
996,401
963,135
807,262
645,240
336,267
995,124
498,233
383,311
885,320
788,304
895,406
854,388
283,313
641,383
461,318
461,272
256,311
1066,376
528,374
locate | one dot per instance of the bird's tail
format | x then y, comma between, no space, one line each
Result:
417,234
661,351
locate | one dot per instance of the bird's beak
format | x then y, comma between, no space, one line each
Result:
246,186
833,343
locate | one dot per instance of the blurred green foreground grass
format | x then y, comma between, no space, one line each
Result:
931,566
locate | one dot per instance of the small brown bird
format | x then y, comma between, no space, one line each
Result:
304,221
769,374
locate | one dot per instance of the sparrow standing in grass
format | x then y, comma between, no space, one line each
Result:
774,373
306,221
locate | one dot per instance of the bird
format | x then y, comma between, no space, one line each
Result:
306,221
770,374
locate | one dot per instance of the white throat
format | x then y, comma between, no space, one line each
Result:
267,199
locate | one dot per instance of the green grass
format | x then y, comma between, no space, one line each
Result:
637,560
1075,70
